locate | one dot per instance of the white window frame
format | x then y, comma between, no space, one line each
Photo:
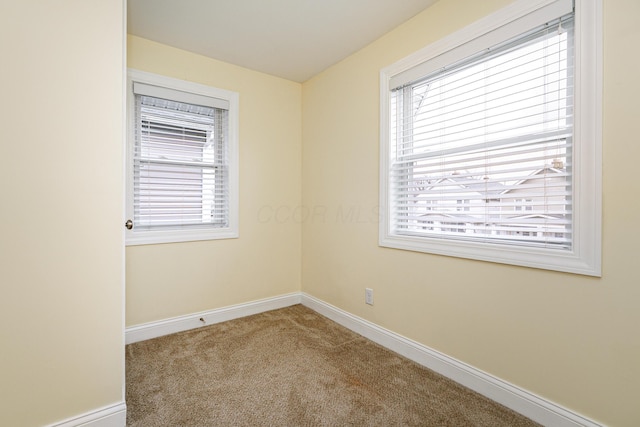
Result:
144,237
585,255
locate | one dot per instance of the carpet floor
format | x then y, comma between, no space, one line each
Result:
292,367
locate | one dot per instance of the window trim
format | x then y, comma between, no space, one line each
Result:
585,256
144,237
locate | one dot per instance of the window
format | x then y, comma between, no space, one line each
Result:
490,141
524,205
182,161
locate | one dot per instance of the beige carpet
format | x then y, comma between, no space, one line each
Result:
292,367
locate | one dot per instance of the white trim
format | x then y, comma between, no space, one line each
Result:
520,400
505,24
511,12
588,126
191,97
108,416
123,183
509,395
145,237
191,321
585,258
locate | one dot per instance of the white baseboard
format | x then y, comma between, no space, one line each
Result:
528,404
191,321
109,416
522,401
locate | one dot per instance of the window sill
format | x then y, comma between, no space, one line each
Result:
136,238
547,259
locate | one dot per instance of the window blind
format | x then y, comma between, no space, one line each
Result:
482,150
488,41
180,176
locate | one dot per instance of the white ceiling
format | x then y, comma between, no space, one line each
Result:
293,39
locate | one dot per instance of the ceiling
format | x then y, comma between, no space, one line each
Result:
292,39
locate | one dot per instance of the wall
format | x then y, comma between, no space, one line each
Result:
571,339
61,244
175,279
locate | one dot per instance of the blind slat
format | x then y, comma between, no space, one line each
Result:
179,96
180,174
487,41
484,151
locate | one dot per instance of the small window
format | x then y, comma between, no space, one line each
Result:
524,205
497,141
182,177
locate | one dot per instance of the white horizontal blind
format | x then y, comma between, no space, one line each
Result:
482,150
180,175
552,9
179,95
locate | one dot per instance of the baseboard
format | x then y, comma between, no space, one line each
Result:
526,403
195,320
522,401
109,416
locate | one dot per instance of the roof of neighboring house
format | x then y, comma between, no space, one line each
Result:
443,217
536,175
491,188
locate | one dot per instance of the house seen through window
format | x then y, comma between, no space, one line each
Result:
179,164
182,173
479,143
476,145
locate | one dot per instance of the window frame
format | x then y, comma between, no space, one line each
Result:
585,255
174,235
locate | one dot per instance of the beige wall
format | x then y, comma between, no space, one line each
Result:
175,279
61,240
572,339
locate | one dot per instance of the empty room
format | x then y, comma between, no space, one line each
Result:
304,212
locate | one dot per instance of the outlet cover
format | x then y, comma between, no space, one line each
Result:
368,296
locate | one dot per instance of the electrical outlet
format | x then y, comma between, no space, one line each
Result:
368,296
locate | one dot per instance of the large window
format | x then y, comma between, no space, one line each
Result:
182,168
489,149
